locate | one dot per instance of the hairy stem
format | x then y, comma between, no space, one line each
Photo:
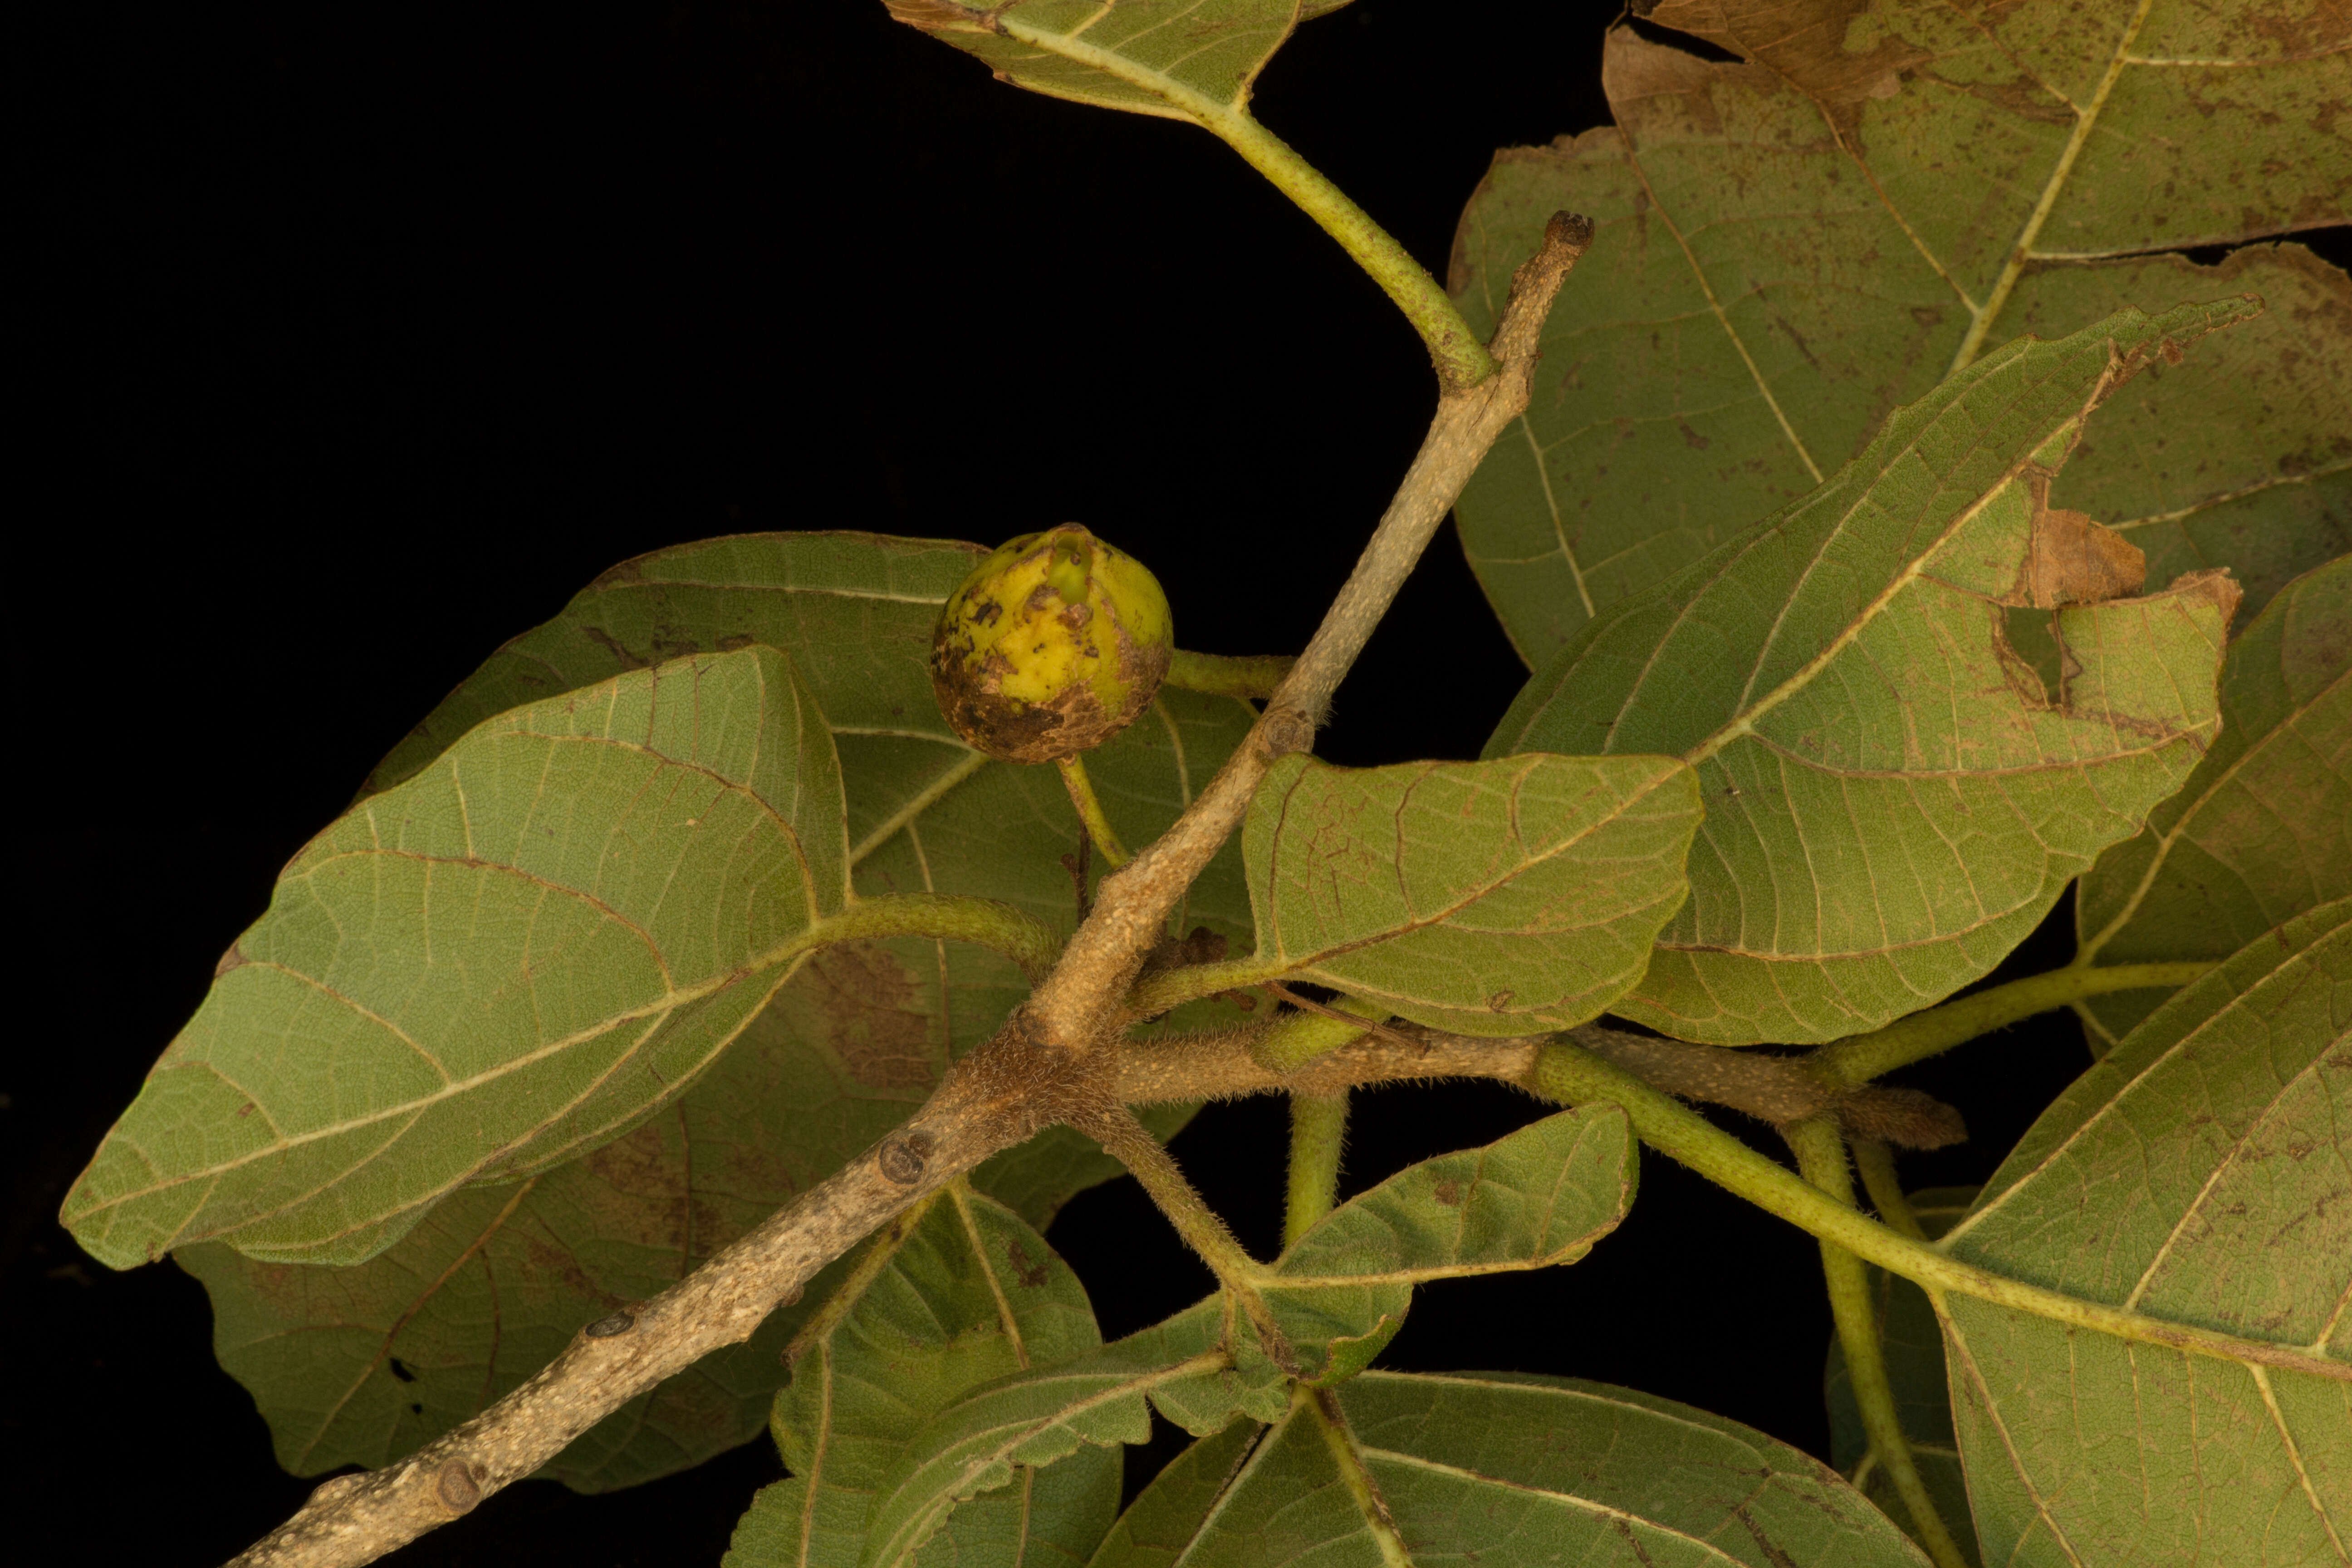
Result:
1318,1129
951,917
1876,1160
1858,1058
1576,1076
1090,812
1821,1156
1220,675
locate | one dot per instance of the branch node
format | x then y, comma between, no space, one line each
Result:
903,1155
458,1487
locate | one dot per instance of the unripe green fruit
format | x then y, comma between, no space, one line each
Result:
1051,646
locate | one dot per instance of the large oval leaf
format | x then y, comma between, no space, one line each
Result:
1787,250
950,1296
1500,898
2263,829
501,964
2199,1174
1501,1470
1894,799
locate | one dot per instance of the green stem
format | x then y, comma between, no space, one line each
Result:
1574,1076
1090,812
1318,1128
1124,1139
1293,1040
1858,1058
947,917
1821,1156
1876,1160
1461,359
1221,675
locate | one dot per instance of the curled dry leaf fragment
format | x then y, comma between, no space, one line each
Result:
1051,646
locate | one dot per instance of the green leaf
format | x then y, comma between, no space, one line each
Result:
1894,800
2199,1174
506,962
1914,1348
1166,58
1787,251
1539,1197
2262,830
956,1293
1499,898
975,1445
1504,1470
360,1366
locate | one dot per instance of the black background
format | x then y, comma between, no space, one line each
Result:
369,334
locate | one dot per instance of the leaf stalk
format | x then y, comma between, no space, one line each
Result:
1820,1158
1858,1058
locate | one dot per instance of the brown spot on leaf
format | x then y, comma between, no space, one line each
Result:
1805,42
2071,560
1774,1553
1500,1001
1033,1275
866,1004
233,959
1448,1193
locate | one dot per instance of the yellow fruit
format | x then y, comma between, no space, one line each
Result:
1051,646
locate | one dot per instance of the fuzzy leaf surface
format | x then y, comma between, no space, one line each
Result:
957,1294
1504,1470
1507,897
1894,798
1536,1198
1145,57
1787,250
498,966
2199,1172
366,1363
2263,829
927,813
1913,1344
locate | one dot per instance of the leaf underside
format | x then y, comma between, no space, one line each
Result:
1145,56
952,1295
1894,798
2200,1172
1789,249
1500,898
1540,1197
507,961
1504,1470
2263,829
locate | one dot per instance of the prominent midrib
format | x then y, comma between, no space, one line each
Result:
2014,267
1712,1552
